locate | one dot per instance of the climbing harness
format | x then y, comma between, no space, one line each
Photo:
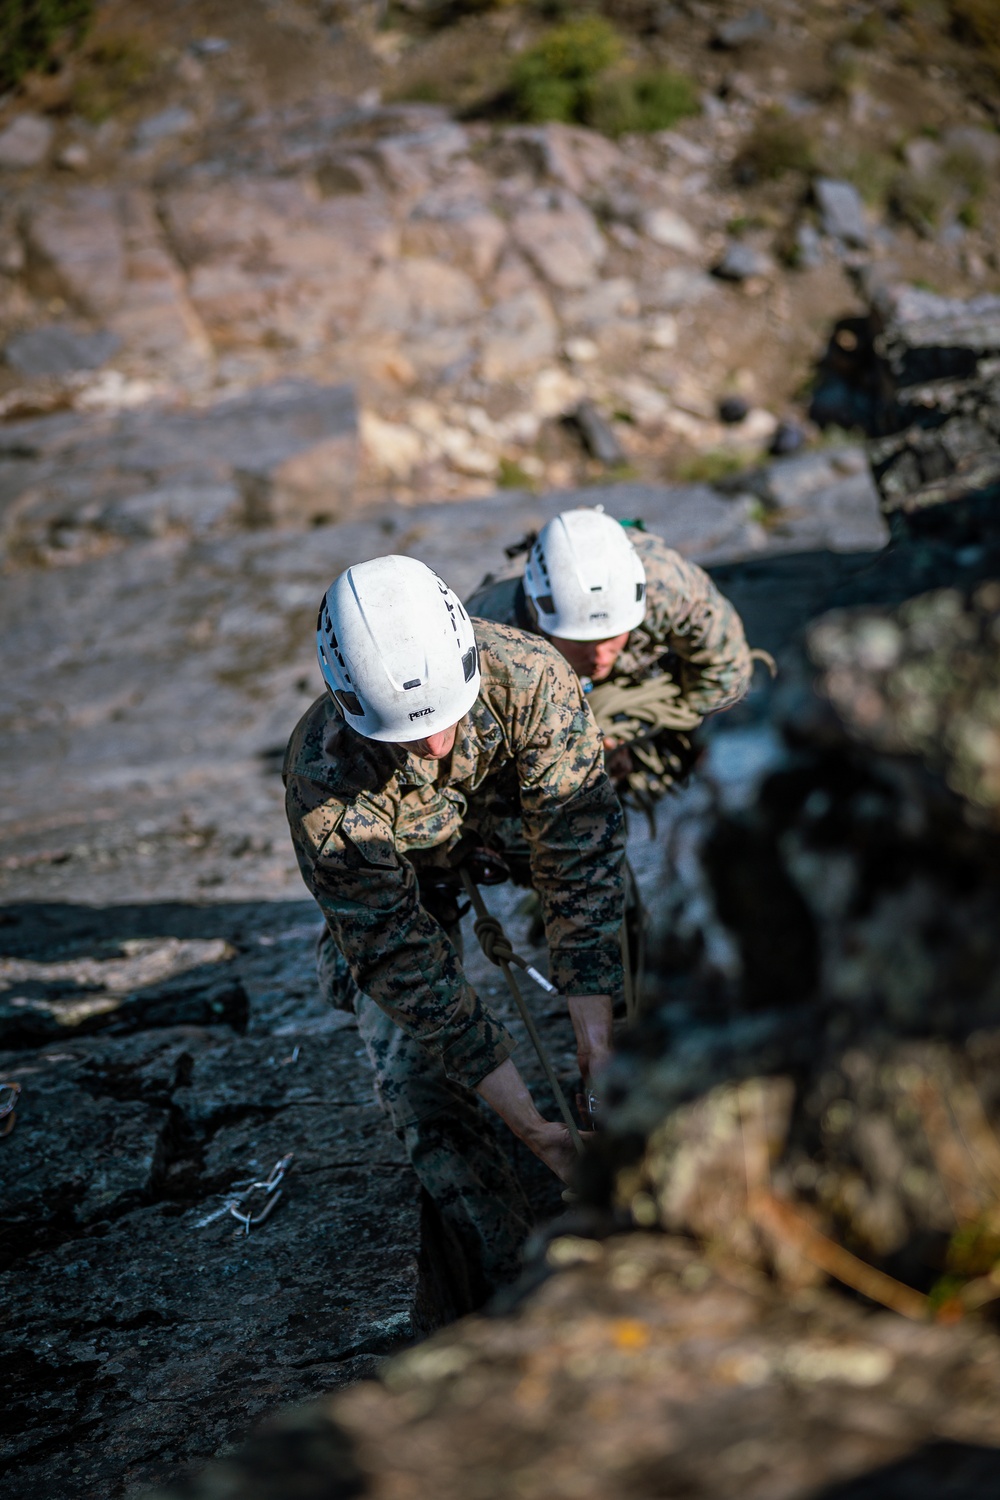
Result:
496,946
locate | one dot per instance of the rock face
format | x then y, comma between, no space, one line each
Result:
939,362
118,1250
845,1051
283,455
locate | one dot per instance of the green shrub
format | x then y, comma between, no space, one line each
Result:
919,200
510,476
30,31
979,20
652,100
120,64
549,81
775,146
867,33
873,173
570,75
712,465
967,170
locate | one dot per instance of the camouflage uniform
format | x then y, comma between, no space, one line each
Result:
375,829
688,658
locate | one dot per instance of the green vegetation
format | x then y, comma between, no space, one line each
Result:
919,199
712,465
872,173
575,73
646,101
867,33
552,80
119,65
31,31
776,145
510,476
967,170
980,21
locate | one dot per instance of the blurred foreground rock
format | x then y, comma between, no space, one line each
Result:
641,1368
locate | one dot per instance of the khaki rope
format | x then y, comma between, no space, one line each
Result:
494,941
641,709
496,946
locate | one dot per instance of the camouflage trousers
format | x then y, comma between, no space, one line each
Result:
447,1133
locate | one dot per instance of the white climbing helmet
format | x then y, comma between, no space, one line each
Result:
397,650
585,578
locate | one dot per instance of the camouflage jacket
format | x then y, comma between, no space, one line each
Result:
366,816
691,632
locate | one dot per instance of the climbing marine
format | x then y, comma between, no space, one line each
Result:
439,736
656,646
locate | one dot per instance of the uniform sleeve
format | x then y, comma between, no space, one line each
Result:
698,625
397,953
574,827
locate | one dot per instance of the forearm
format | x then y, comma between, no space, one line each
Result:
505,1091
591,1018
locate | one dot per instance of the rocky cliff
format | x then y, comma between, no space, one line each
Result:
261,314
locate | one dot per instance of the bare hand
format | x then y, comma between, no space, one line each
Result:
554,1146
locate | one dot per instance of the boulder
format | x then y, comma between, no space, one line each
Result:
282,455
517,335
741,262
564,243
59,349
25,142
751,26
688,1375
103,250
417,296
939,403
664,227
270,259
118,1238
841,211
166,125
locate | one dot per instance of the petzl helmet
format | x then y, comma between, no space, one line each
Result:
585,578
396,650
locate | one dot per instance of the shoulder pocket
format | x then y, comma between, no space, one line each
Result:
369,835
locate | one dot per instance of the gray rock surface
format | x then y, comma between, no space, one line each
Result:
740,262
25,142
841,211
124,1150
937,360
751,26
283,455
57,349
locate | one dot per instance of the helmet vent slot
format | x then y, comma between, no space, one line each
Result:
414,682
349,702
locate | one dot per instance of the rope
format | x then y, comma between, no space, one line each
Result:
496,946
641,709
493,940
